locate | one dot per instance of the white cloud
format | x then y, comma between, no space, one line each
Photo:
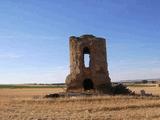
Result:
139,73
56,75
6,36
9,56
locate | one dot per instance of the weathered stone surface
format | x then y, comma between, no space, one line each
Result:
86,78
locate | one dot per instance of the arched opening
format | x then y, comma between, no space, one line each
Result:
86,60
86,57
86,50
88,84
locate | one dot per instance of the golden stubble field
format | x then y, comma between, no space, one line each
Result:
29,104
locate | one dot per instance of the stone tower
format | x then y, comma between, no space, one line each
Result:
89,77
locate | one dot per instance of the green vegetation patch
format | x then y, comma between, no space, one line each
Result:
31,86
141,85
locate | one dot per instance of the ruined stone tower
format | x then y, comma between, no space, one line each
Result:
89,77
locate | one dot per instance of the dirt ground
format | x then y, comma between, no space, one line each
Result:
29,104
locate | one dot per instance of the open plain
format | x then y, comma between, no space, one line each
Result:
29,104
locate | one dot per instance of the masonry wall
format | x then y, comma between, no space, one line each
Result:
97,72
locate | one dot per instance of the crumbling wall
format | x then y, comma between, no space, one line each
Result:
86,78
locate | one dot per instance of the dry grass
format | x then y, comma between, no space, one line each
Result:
29,104
155,90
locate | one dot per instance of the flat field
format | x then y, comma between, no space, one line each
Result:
29,104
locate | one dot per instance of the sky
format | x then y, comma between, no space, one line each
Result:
34,37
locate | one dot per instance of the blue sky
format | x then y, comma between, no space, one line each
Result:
34,37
